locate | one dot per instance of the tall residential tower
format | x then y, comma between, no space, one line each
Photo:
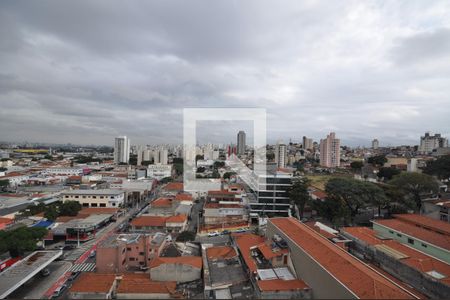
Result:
121,150
330,151
241,143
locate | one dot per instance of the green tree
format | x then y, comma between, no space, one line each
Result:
133,160
270,156
51,213
147,162
186,236
329,209
439,167
378,160
227,175
413,186
298,194
219,164
199,157
21,240
350,193
356,165
69,208
4,182
388,173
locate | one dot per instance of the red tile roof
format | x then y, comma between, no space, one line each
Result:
222,192
6,220
162,202
426,235
269,253
220,252
174,186
320,194
245,242
281,285
355,275
425,222
183,197
176,219
140,283
149,221
415,259
195,261
93,283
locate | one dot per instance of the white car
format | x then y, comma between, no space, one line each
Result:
214,233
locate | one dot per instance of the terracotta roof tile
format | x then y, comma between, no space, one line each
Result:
93,283
355,275
268,253
429,236
281,285
176,219
195,261
174,186
220,252
140,283
416,259
425,222
162,202
183,197
149,221
245,242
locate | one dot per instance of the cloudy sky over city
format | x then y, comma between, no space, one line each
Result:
86,71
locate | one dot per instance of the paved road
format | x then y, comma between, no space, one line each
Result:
38,285
193,224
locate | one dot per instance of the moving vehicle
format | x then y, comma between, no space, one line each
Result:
213,233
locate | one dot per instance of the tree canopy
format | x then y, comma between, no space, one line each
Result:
439,167
298,193
354,195
356,165
21,240
413,186
378,160
387,173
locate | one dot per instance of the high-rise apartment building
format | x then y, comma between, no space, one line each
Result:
330,151
375,144
241,143
121,150
280,155
429,143
307,143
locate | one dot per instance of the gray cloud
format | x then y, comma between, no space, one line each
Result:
85,71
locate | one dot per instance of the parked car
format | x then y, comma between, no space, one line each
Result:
92,254
214,233
58,292
74,276
68,247
226,232
45,272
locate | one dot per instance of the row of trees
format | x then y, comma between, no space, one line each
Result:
346,197
54,210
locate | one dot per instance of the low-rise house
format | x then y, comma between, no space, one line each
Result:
140,286
179,269
170,224
93,286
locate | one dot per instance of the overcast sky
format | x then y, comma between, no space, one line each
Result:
86,71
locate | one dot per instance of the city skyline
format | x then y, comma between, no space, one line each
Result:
89,83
